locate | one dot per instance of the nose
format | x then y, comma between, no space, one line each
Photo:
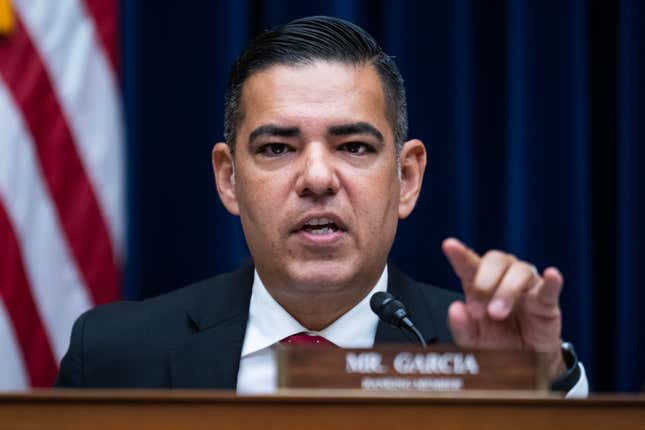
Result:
318,176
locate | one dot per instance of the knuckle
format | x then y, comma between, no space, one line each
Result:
510,288
525,267
480,287
495,254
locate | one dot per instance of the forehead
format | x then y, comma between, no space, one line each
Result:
318,94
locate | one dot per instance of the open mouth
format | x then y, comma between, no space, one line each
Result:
320,226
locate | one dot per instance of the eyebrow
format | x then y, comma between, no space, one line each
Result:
355,128
273,130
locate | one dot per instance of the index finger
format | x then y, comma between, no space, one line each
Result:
464,261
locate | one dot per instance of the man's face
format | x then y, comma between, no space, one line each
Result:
315,177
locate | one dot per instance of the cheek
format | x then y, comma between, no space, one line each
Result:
376,200
260,197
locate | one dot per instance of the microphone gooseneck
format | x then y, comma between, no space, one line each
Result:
393,312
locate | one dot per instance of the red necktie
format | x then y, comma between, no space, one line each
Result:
306,339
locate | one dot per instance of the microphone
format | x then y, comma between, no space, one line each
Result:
394,313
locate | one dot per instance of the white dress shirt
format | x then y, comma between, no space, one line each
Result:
269,323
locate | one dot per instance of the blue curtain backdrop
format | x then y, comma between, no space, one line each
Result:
532,112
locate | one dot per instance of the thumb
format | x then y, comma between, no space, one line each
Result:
462,326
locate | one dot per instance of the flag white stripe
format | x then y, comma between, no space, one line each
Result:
66,39
13,375
52,273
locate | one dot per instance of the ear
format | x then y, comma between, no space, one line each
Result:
224,171
412,165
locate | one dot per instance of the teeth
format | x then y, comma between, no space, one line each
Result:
324,230
319,221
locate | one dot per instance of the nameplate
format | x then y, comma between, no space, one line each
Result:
401,367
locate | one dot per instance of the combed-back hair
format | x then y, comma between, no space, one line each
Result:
304,41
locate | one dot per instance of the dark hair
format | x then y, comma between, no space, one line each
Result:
304,41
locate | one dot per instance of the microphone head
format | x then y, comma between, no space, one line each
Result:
379,299
388,308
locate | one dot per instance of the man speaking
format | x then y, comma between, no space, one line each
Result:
317,165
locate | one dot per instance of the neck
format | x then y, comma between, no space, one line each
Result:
317,307
317,313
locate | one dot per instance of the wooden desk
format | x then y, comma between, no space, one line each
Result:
310,409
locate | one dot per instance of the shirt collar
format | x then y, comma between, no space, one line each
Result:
269,322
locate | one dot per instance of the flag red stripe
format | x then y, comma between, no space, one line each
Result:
68,184
14,288
105,14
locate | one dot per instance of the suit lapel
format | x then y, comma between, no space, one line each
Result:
211,357
410,294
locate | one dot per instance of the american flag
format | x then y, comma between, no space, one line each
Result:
61,178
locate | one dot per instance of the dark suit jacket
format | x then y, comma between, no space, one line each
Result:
192,337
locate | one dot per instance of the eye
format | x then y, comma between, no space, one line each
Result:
274,149
357,148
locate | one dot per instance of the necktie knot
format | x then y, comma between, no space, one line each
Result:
305,339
